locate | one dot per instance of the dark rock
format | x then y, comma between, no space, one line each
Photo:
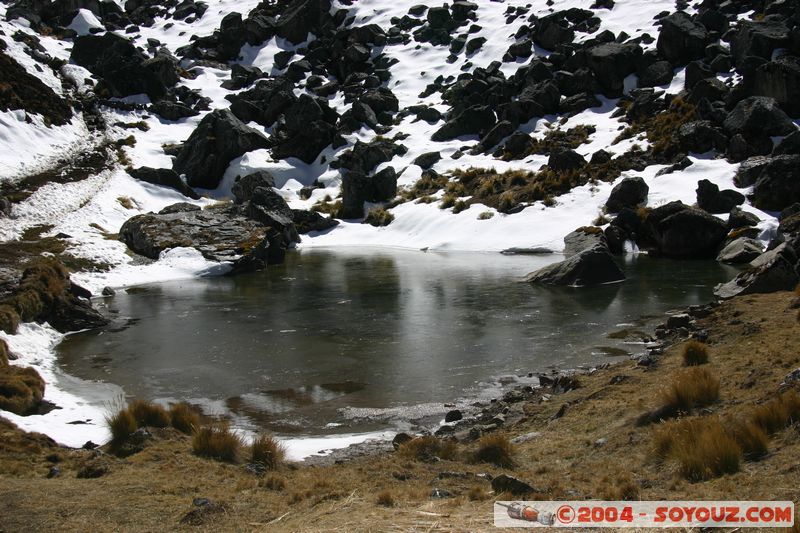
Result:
681,39
180,207
108,291
551,31
358,188
701,136
476,120
164,177
244,187
711,199
611,63
219,138
427,160
453,416
658,73
441,493
759,39
565,160
265,102
501,130
590,267
311,221
750,170
173,110
681,231
400,439
512,485
759,116
770,272
630,192
742,219
741,250
778,184
518,145
270,209
583,239
302,17
780,79
789,145
475,44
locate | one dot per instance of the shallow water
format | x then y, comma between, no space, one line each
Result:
342,341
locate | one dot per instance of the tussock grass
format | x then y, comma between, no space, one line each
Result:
21,389
267,451
622,487
695,353
554,139
149,414
702,447
776,414
122,425
428,448
217,441
495,448
385,499
378,217
690,389
275,483
184,418
753,441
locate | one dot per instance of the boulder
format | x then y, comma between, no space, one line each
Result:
174,111
778,184
125,70
630,192
427,160
265,102
680,231
759,39
789,145
364,157
655,74
565,160
742,219
551,31
770,272
475,120
758,116
751,169
711,199
180,207
780,79
611,63
302,17
512,485
244,187
741,250
270,209
701,136
681,39
219,138
311,221
164,177
590,267
583,239
358,187
306,143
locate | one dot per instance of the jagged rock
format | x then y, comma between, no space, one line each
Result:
758,116
711,199
265,102
741,250
759,39
517,145
583,239
244,187
180,207
630,192
780,79
701,136
778,184
681,39
358,187
124,69
770,272
427,160
165,177
501,130
311,221
453,416
677,230
173,110
565,160
302,17
270,209
219,234
611,63
476,120
219,138
742,219
306,144
364,157
551,31
658,73
750,170
591,267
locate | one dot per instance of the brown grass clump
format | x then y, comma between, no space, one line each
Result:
477,493
776,414
661,128
273,483
695,353
122,425
327,206
21,389
378,217
496,449
695,387
753,441
623,487
217,441
184,418
428,448
267,451
554,139
149,414
702,447
3,353
385,499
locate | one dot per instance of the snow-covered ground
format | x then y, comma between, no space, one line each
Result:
92,209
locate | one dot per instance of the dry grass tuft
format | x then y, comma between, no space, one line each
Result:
378,217
753,441
149,414
694,387
702,447
776,414
217,441
21,389
428,448
477,493
624,487
496,449
267,451
273,483
122,425
184,418
695,353
385,499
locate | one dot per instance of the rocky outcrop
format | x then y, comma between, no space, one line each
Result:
244,187
164,177
778,184
312,222
358,187
589,262
741,250
758,116
476,120
681,39
21,90
677,230
630,193
611,63
711,199
219,138
770,272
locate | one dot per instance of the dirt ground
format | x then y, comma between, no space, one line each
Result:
595,450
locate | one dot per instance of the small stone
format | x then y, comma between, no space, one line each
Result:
453,416
53,472
506,483
441,493
108,291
